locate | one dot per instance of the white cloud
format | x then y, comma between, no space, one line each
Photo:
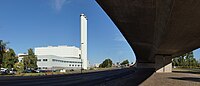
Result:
58,4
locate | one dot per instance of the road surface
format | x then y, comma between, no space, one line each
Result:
86,79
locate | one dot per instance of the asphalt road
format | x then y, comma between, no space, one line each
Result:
86,79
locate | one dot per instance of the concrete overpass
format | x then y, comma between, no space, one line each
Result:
157,30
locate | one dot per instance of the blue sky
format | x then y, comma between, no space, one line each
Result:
34,23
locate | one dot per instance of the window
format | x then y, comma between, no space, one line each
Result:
44,59
63,61
39,60
44,67
69,64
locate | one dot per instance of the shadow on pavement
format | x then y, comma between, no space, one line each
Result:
187,72
194,79
141,75
134,79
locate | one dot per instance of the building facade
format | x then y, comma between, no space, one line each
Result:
63,57
51,62
21,56
61,51
58,57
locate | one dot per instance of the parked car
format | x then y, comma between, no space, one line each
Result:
71,70
12,71
37,71
4,71
27,71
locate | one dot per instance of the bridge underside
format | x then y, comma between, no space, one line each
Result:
156,29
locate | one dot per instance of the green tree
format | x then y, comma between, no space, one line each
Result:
9,59
106,63
179,61
30,61
2,51
190,61
19,67
175,61
125,62
186,60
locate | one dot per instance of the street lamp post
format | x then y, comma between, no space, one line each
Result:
81,65
81,62
1,57
1,53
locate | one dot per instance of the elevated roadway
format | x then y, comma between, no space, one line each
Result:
157,30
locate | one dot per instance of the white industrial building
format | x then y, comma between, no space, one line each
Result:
65,57
58,57
21,56
50,62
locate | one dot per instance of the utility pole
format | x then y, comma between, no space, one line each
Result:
81,65
2,47
81,62
1,53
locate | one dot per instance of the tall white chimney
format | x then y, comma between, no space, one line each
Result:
83,19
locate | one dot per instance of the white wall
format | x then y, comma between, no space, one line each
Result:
50,64
21,56
61,51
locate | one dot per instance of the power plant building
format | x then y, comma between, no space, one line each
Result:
65,57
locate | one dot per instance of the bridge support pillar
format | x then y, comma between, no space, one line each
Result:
163,64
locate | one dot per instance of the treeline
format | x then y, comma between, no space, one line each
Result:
8,59
186,61
108,63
